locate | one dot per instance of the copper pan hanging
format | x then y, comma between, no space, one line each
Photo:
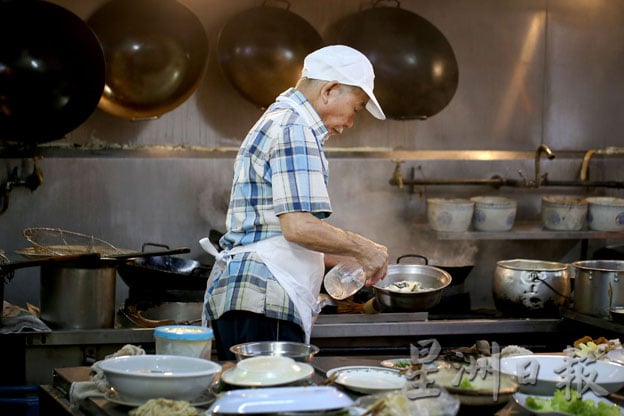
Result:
156,53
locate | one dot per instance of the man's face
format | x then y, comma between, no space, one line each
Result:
340,107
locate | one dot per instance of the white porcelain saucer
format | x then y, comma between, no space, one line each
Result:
367,379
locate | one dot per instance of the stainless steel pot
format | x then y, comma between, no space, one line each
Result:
598,285
78,296
531,288
433,281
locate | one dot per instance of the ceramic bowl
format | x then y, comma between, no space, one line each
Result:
453,215
605,213
540,374
493,213
138,378
617,314
564,213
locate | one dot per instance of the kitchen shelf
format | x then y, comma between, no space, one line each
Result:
602,323
530,230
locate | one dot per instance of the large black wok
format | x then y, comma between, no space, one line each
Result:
155,51
416,72
261,51
51,71
164,273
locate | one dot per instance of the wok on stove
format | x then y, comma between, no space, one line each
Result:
164,272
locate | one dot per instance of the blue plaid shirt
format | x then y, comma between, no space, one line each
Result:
280,168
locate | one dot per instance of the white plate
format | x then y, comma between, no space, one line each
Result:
367,379
616,355
399,363
238,377
281,399
113,397
520,398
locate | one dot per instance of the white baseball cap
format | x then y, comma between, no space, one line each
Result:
347,66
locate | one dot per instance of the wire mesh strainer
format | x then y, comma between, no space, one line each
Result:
5,276
55,241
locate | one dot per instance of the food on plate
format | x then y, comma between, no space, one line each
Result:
593,348
400,404
405,286
572,404
466,384
162,407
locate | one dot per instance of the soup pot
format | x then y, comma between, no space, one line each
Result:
598,286
78,296
531,288
432,279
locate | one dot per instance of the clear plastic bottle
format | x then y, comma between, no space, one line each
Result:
344,280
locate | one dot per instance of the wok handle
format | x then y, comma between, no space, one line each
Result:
166,247
425,259
125,256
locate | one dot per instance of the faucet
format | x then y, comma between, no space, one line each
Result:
611,150
542,148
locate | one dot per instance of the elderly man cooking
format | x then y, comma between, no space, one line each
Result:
265,283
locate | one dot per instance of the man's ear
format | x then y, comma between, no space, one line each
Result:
327,89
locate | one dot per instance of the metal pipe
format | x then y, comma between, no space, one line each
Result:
497,182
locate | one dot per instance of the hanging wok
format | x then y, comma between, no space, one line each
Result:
261,51
416,72
51,71
156,52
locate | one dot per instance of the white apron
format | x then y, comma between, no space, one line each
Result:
298,270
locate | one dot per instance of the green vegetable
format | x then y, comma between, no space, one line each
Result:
574,406
402,363
466,384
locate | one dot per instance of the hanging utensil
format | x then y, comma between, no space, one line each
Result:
416,72
261,51
51,71
156,52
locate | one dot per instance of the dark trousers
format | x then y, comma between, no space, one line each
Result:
237,327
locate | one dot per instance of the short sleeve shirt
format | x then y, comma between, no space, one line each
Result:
280,168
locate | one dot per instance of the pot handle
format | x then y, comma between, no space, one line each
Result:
536,276
425,259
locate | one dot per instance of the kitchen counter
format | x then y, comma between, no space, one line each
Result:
54,398
33,356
